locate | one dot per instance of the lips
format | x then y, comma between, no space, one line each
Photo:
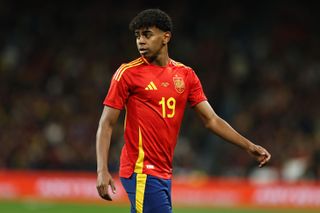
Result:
143,50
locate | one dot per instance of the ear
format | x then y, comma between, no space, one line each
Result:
166,37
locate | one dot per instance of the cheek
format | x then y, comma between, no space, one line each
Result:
157,44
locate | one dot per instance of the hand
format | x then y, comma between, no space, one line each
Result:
104,179
260,154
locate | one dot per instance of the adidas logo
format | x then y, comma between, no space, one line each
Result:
151,86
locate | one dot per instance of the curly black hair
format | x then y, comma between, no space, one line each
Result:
150,18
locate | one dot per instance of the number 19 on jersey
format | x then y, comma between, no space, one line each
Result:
168,107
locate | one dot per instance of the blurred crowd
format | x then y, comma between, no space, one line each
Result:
259,65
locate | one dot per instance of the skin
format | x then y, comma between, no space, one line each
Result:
152,44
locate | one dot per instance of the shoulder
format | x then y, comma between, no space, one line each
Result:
182,68
126,68
186,71
180,65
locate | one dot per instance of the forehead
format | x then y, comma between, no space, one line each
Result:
148,29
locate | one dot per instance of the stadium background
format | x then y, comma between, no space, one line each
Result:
258,62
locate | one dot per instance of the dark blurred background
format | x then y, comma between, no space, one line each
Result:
259,63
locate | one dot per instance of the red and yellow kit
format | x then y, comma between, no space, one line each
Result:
155,99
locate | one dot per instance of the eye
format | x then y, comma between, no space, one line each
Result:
148,34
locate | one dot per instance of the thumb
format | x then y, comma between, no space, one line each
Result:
113,188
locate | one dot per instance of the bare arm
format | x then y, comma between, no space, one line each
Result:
107,121
221,128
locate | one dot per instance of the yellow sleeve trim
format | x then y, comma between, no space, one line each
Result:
124,67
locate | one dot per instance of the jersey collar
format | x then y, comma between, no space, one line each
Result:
148,63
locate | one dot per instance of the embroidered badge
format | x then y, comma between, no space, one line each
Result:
179,84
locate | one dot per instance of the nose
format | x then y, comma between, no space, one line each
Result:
141,40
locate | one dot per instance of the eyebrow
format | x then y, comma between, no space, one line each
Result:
143,31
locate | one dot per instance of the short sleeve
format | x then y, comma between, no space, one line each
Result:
196,94
118,93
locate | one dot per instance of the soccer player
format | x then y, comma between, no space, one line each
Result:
154,90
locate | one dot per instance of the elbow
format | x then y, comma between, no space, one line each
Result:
207,124
211,123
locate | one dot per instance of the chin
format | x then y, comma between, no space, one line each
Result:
148,56
144,54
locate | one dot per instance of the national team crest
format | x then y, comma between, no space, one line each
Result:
179,84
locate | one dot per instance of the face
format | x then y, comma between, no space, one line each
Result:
151,41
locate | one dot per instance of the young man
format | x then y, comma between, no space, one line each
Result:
154,90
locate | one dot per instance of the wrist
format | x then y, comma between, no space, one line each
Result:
102,171
251,147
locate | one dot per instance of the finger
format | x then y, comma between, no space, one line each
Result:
261,150
265,160
268,156
103,192
107,197
113,188
262,163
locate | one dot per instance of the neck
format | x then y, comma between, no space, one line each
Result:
162,59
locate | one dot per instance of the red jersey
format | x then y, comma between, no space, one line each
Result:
154,98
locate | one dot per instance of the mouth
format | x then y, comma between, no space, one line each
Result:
143,51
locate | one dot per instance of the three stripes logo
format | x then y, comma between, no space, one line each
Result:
151,86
